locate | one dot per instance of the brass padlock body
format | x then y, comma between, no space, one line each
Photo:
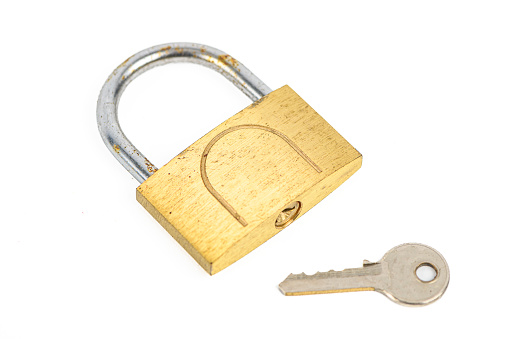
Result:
245,180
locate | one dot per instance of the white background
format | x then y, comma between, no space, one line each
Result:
420,88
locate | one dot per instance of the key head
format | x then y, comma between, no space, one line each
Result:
404,286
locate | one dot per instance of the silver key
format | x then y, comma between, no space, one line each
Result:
395,276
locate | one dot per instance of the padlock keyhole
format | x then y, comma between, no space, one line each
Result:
288,215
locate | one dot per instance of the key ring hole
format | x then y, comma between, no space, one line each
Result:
426,272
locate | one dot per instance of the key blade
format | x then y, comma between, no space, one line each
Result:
368,278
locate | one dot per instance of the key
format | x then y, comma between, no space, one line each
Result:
395,276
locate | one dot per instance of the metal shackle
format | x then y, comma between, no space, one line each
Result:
107,105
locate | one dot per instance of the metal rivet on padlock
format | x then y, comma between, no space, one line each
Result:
245,180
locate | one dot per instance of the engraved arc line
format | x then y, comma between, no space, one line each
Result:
207,149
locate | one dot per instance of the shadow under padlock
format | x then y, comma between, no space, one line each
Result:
245,180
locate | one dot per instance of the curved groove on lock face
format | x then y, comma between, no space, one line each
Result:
288,215
219,197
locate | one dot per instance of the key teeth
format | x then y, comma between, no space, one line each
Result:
304,275
319,274
327,274
296,276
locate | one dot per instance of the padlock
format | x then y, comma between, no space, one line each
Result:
245,180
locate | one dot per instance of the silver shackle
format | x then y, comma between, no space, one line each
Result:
107,105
